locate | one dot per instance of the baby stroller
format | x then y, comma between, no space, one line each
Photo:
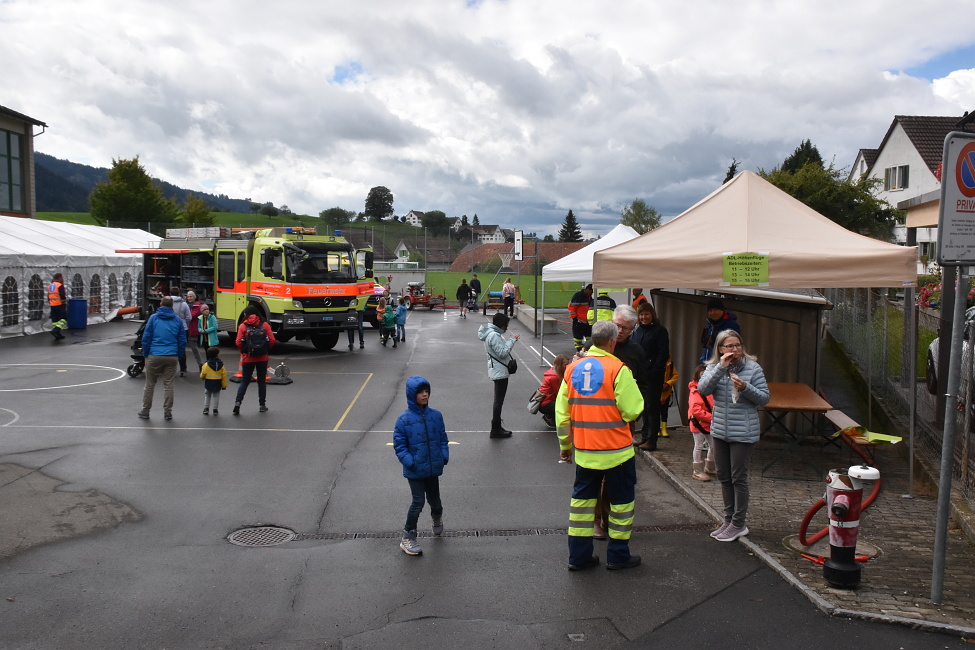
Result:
139,364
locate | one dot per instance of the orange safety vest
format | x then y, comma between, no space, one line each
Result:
639,300
54,294
597,425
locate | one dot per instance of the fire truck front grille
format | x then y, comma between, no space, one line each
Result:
323,303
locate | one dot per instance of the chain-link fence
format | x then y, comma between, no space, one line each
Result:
896,352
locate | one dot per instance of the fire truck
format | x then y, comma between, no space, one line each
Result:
307,286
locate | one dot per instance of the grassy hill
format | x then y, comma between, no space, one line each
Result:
388,232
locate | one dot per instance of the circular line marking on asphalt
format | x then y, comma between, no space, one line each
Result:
121,373
13,413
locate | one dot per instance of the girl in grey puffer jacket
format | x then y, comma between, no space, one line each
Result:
737,383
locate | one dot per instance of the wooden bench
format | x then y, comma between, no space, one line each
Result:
850,429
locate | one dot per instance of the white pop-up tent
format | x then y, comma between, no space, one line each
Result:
32,251
577,266
750,215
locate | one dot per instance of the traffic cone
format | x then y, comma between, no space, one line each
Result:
239,375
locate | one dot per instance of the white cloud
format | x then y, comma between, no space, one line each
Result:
515,110
958,88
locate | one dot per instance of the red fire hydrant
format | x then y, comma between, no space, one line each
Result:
844,493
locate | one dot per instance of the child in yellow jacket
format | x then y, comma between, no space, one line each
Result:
214,376
670,378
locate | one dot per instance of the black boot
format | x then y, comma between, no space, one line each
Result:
497,431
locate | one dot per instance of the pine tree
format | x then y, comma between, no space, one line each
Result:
732,170
804,154
570,231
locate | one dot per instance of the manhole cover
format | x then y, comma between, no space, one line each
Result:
261,536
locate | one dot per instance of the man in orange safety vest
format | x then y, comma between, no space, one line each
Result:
596,403
57,299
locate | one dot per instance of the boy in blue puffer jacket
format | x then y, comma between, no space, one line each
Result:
420,442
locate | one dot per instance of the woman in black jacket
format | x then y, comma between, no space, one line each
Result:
655,341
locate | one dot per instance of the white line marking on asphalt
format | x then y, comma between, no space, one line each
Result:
121,373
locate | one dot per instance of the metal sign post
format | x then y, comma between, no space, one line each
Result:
956,247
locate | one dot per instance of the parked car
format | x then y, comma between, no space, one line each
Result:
968,361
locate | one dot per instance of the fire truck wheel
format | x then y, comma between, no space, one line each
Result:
324,342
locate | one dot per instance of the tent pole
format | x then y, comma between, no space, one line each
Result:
869,362
912,331
541,345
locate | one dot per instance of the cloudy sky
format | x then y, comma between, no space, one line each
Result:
515,110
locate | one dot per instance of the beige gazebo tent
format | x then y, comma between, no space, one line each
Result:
750,215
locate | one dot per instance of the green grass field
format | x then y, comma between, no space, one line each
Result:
557,294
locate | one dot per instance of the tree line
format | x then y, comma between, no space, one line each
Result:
827,189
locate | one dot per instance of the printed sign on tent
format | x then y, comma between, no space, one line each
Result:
744,269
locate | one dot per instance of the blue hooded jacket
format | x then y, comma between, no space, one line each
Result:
164,335
420,438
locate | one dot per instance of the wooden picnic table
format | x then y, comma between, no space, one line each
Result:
798,398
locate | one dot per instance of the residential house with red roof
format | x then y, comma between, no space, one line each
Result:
908,162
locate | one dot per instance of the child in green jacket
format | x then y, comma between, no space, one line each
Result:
389,325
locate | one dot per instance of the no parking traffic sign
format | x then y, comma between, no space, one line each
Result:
956,221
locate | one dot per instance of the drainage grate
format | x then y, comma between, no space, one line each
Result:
261,536
274,535
488,533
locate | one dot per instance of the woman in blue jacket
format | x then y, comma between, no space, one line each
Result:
420,442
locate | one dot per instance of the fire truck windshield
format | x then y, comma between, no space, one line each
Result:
321,262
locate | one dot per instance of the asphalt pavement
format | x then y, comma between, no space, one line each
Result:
116,531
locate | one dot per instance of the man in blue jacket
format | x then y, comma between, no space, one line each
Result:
719,319
163,343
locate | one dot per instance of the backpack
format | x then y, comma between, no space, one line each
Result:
256,342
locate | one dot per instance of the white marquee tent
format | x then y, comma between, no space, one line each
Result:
32,251
577,266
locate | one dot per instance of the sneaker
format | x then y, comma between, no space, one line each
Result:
720,529
593,561
263,408
394,343
438,526
410,546
629,564
168,415
361,345
216,412
182,373
731,533
549,421
351,347
236,408
144,415
206,411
